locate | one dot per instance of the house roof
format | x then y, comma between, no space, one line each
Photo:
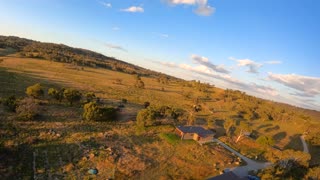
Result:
228,176
195,129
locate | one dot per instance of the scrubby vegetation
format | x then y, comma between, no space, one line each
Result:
92,112
67,120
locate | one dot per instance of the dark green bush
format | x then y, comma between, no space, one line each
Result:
93,112
72,95
10,103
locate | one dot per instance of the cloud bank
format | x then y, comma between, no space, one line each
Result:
205,62
133,9
203,9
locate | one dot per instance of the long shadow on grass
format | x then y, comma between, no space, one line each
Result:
15,83
272,129
16,162
263,126
295,143
279,136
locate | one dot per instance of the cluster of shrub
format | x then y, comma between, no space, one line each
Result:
29,108
150,114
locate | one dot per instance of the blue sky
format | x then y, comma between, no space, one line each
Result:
268,48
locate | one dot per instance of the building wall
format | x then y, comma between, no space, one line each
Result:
178,132
188,136
207,139
196,137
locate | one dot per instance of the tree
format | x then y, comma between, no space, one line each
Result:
287,164
146,117
72,95
265,140
92,112
146,104
242,130
56,94
90,96
139,84
124,101
28,109
228,124
10,103
35,91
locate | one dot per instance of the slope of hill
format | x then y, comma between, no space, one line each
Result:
76,56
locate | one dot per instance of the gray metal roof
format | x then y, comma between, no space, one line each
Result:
195,129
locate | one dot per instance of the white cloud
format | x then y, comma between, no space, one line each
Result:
205,62
189,2
105,4
203,9
305,85
134,9
264,89
273,62
249,87
169,64
117,47
253,67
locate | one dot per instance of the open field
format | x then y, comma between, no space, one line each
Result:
61,145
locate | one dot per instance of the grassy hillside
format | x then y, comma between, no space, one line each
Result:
62,53
62,145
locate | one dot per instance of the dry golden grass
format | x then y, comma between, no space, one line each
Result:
138,156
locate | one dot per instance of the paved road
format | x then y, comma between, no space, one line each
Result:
242,171
305,146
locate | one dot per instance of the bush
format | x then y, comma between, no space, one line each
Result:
35,91
146,117
56,94
90,96
10,103
139,84
124,101
146,104
265,141
72,95
28,109
92,112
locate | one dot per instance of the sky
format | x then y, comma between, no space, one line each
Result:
267,48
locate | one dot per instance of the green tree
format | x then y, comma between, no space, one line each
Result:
90,96
146,117
35,90
55,94
10,103
265,141
228,124
72,95
287,164
92,112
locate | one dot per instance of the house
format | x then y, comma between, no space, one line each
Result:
196,133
